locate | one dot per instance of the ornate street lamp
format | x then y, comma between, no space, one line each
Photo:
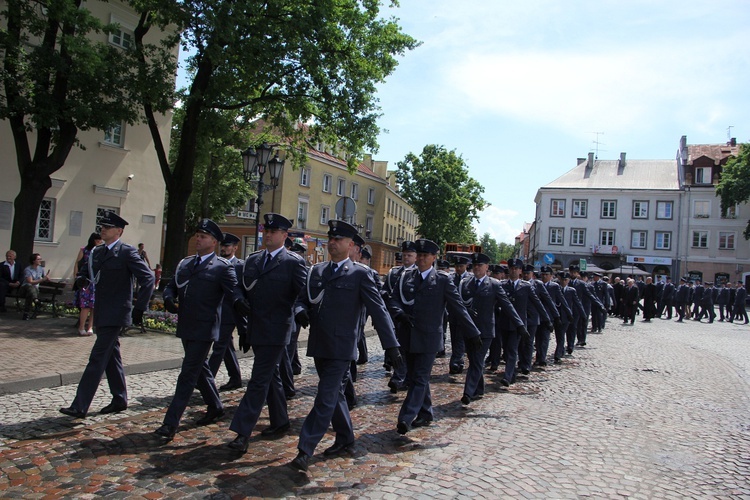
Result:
255,162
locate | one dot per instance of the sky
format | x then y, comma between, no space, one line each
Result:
521,89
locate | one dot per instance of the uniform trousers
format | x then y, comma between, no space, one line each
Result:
542,343
264,387
329,407
194,373
583,325
418,401
286,372
510,350
495,354
560,338
401,375
474,384
104,358
572,331
458,348
224,351
526,348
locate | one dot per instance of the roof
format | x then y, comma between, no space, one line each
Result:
716,152
361,168
607,174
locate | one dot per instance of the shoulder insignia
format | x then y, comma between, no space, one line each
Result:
222,259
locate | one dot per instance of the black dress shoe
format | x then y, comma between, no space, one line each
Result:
240,443
393,386
455,370
114,408
290,395
166,431
524,372
72,412
300,461
337,448
230,386
465,399
440,354
421,422
275,431
504,382
402,427
211,416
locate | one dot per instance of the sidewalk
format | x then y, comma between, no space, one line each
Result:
48,352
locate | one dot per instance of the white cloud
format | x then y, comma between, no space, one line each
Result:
499,223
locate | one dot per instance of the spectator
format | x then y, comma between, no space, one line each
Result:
142,254
10,276
157,276
32,276
84,297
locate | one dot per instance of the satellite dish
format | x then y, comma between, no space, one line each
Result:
345,207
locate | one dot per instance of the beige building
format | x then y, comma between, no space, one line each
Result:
309,197
118,170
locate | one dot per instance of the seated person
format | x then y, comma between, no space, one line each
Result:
32,276
10,276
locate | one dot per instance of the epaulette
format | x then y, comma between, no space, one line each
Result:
444,273
222,259
295,255
256,252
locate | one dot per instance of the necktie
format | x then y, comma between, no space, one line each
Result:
268,260
197,262
334,268
474,285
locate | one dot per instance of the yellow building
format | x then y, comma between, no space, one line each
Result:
118,170
309,196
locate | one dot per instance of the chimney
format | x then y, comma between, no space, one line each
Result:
591,161
733,142
581,160
622,161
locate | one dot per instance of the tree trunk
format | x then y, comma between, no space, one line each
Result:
26,204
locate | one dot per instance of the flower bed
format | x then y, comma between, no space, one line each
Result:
155,319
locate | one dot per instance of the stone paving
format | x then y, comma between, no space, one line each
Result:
654,410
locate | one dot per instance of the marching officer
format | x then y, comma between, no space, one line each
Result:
667,298
112,267
546,325
416,305
456,363
588,299
331,304
196,294
482,295
398,380
682,296
576,307
558,298
722,300
270,282
224,348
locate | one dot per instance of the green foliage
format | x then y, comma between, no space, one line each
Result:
505,251
445,198
489,247
734,186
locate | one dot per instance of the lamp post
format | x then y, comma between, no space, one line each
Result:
255,162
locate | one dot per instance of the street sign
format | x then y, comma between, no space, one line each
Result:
538,263
345,207
583,264
549,258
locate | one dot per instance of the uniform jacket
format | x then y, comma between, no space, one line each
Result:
526,303
707,300
227,310
600,290
723,297
391,281
200,293
586,294
739,299
113,271
682,295
558,298
271,292
424,301
576,307
334,315
484,300
549,304
698,294
667,295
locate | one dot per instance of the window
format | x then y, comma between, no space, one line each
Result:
609,209
607,237
638,239
556,236
580,208
731,213
371,196
341,187
114,135
122,37
664,209
327,181
325,214
663,240
304,177
355,191
369,221
703,175
726,240
700,239
45,220
101,212
578,237
558,208
640,210
701,209
302,214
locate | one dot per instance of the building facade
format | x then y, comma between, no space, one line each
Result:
118,170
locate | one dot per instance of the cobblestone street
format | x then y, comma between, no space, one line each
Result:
655,410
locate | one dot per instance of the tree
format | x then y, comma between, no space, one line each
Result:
315,62
734,186
56,81
447,201
506,251
490,247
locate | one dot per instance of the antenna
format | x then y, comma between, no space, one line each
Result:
596,141
729,132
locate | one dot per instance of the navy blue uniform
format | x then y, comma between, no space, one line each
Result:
224,347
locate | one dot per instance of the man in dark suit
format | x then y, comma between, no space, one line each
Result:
707,303
482,295
331,304
588,299
271,281
196,294
224,348
112,267
458,349
555,292
576,308
631,301
10,276
698,290
667,298
545,328
739,303
649,300
722,300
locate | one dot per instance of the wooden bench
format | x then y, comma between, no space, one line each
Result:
48,293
